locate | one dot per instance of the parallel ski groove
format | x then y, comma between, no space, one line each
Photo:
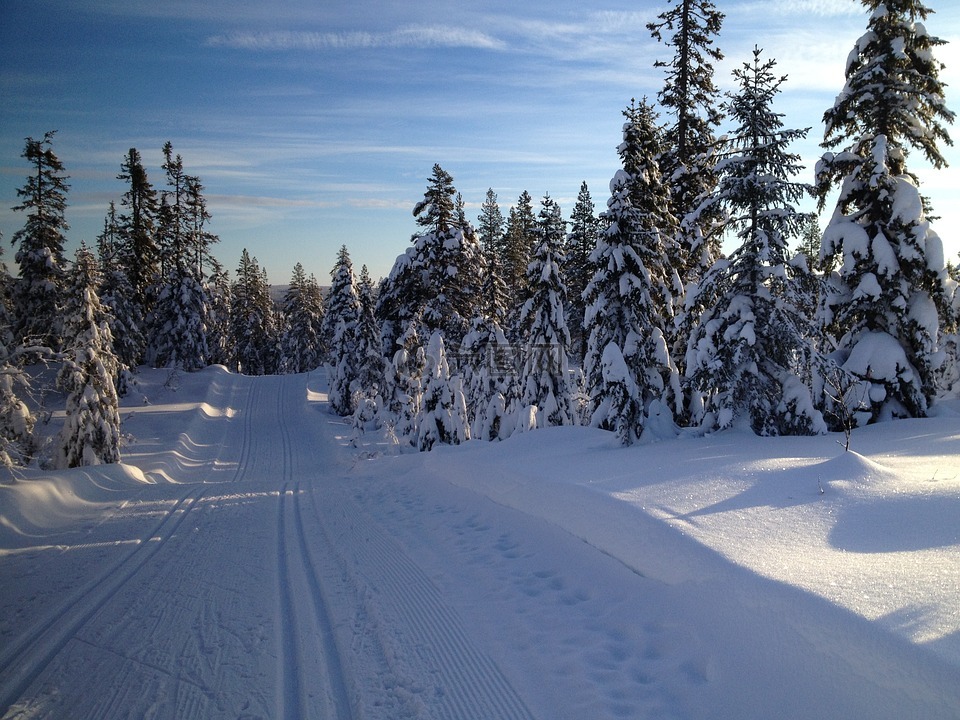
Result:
249,436
336,686
291,698
34,652
339,695
470,683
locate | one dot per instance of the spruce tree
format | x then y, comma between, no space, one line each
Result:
443,412
199,238
139,251
252,319
38,292
495,300
752,345
577,271
692,100
182,308
438,278
91,430
341,324
16,421
489,370
518,245
631,298
888,288
118,295
403,388
303,313
370,361
219,327
545,379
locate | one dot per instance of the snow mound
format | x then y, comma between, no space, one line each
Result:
35,507
851,469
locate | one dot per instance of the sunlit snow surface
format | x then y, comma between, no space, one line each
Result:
249,561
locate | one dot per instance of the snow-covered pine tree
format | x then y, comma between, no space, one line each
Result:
138,253
488,367
692,100
199,237
370,361
303,313
252,319
91,429
577,271
888,288
403,389
219,328
632,295
118,296
341,325
443,413
178,324
620,405
438,277
38,291
16,421
518,244
752,345
545,379
495,296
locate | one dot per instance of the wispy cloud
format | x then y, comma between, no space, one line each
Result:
820,8
435,36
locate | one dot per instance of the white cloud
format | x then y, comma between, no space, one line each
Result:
403,37
819,8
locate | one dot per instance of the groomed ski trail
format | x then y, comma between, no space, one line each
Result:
248,596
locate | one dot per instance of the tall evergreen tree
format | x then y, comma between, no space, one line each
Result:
495,301
577,271
443,411
118,295
182,308
16,421
690,97
252,319
303,313
438,278
91,430
200,239
748,349
370,362
341,324
219,324
139,253
518,244
545,379
403,388
632,297
38,292
888,290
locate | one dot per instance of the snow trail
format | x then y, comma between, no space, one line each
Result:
273,573
26,658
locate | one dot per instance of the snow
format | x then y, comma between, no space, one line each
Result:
878,356
907,203
246,561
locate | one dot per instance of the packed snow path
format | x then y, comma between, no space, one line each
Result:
272,573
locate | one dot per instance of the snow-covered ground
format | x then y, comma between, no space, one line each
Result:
246,561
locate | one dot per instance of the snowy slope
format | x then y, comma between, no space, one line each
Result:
247,561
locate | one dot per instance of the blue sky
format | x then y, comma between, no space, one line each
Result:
316,123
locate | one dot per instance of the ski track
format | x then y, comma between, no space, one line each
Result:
26,659
307,632
467,683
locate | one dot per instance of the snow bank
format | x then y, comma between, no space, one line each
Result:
39,505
